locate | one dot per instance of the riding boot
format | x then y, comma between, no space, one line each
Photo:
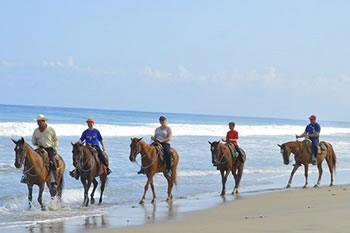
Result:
314,160
240,156
24,179
141,172
74,174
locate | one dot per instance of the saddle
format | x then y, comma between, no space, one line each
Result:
321,146
233,150
95,154
45,156
160,152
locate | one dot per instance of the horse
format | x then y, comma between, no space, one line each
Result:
89,167
152,164
303,157
223,160
37,171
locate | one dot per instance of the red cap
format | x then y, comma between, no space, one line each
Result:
312,117
90,119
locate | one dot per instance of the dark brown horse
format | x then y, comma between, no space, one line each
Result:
89,167
303,157
152,164
223,160
37,171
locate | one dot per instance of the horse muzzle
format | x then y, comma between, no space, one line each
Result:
18,165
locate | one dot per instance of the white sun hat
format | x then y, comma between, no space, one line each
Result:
41,117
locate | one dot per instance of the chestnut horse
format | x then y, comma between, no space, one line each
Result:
89,167
37,171
223,160
152,164
303,157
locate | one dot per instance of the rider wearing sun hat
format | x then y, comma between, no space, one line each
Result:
92,137
312,131
45,136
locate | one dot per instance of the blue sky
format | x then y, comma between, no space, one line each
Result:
245,58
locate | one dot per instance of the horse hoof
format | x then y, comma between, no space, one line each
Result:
305,186
153,201
43,208
92,201
222,194
235,191
288,186
331,185
316,186
142,202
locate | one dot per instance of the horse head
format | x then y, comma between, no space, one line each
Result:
135,148
285,151
77,152
20,152
214,148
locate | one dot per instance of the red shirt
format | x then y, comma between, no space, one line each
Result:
232,134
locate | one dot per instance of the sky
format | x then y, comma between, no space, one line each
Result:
284,59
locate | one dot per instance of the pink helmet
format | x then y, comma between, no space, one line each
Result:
90,119
312,117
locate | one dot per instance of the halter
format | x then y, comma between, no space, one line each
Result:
80,163
26,172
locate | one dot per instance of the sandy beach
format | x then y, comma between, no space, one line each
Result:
322,209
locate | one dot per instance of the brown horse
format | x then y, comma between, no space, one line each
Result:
152,164
303,157
223,160
37,171
89,167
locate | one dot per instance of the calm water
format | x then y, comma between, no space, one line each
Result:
199,183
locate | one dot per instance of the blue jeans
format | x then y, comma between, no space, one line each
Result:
315,142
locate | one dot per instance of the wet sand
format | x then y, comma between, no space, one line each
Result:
322,209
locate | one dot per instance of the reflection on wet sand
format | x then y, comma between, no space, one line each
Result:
151,213
95,222
53,227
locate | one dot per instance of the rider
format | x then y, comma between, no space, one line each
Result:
312,131
93,137
45,136
163,135
232,138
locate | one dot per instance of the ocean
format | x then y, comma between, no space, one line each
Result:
199,184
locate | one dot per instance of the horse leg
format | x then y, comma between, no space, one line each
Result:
92,199
146,188
320,171
60,190
40,196
238,180
87,184
30,195
296,166
154,192
330,170
224,175
306,166
103,183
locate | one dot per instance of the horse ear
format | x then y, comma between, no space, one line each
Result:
15,142
22,140
72,143
279,145
139,139
210,142
131,139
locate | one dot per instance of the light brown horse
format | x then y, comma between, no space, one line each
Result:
152,164
37,171
303,157
89,167
223,160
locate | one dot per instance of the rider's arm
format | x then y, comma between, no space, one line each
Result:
168,138
35,139
301,135
103,145
55,140
82,138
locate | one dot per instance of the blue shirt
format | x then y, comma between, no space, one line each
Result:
311,129
91,137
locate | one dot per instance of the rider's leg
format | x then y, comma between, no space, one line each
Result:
167,157
240,156
314,149
53,167
102,158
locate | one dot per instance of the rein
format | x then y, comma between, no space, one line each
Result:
26,172
80,165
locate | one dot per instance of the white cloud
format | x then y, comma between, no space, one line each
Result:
69,63
270,76
155,73
184,73
7,63
346,78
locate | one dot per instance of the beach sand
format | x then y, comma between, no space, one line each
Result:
324,209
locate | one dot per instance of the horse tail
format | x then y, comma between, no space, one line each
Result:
174,171
331,157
